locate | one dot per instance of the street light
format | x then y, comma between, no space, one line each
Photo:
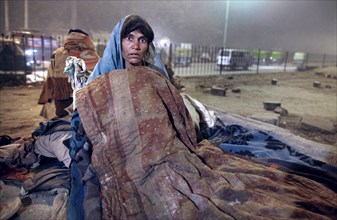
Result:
226,24
225,36
26,15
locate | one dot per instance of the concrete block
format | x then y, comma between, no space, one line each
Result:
315,123
220,91
280,110
274,81
317,84
271,105
267,117
236,90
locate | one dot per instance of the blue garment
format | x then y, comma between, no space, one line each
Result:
112,58
257,144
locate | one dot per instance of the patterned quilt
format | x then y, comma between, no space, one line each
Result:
150,166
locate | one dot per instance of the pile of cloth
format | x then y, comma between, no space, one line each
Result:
35,175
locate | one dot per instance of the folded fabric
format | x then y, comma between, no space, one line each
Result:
48,179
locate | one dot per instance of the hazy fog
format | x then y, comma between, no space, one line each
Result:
308,26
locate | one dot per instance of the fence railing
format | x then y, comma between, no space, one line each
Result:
29,53
191,60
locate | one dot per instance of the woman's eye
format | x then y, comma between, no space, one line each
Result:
143,40
128,37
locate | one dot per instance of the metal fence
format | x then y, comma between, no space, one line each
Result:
29,54
23,53
191,60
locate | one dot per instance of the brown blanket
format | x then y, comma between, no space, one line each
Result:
150,166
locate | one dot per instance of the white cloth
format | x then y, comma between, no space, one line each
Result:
52,146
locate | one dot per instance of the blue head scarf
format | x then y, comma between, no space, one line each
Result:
112,58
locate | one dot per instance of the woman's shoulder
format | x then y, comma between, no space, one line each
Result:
155,68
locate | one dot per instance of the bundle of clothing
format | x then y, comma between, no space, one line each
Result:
36,168
57,87
145,160
23,158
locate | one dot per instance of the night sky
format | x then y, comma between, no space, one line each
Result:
301,25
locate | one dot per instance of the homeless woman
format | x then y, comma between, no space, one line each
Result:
130,45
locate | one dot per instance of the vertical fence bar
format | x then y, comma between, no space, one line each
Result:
24,50
175,59
170,53
258,61
42,51
197,67
203,62
285,62
200,67
51,46
3,55
213,57
51,53
34,58
307,59
323,60
14,55
208,61
221,66
186,54
211,52
194,60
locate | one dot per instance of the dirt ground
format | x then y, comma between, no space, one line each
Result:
20,113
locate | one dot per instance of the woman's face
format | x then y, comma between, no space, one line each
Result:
134,47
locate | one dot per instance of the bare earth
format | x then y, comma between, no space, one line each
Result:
20,113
